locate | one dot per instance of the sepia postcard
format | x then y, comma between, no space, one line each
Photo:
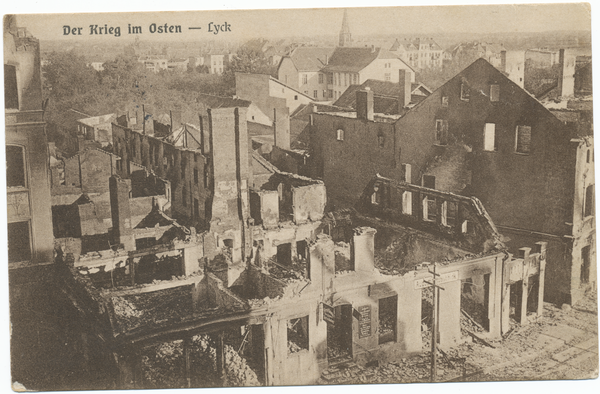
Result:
300,197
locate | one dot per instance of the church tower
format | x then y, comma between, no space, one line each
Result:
345,36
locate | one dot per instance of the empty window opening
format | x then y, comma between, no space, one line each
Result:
465,227
381,140
494,93
516,296
489,137
533,294
343,257
429,181
407,203
196,177
339,335
426,314
587,158
465,92
376,196
523,139
441,132
340,135
584,275
61,173
429,209
444,101
301,249
474,302
388,317
15,166
451,213
588,206
284,254
11,90
297,334
19,247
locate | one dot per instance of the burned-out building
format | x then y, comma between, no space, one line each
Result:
480,135
156,317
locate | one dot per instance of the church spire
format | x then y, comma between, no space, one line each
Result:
345,36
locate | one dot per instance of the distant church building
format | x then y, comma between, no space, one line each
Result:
345,36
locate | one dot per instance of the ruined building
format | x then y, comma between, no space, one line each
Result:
174,316
480,135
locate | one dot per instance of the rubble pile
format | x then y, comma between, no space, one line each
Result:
406,370
336,350
164,366
297,270
152,308
476,312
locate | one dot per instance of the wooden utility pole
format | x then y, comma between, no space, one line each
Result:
434,321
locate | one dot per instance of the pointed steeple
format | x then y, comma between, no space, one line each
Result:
345,36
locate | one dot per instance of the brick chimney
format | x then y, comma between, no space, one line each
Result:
364,104
121,232
405,90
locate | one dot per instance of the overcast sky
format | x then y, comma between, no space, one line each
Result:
306,22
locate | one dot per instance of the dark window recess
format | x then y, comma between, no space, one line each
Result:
441,132
196,176
381,140
588,208
19,248
523,143
184,196
431,209
284,254
494,92
388,316
584,275
451,213
465,92
15,166
11,90
429,181
297,334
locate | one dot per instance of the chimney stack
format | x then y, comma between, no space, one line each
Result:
121,233
404,94
364,104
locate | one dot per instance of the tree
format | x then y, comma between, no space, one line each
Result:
246,60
